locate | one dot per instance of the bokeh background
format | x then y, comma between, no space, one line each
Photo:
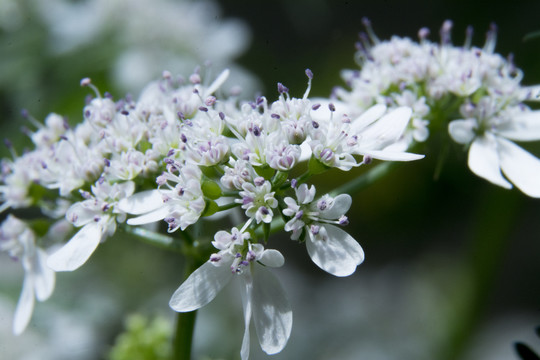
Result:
452,262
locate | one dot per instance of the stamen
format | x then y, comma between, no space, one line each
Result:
88,82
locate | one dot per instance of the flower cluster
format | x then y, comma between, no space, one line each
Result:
205,154
475,92
184,153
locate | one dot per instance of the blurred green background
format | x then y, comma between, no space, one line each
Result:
452,263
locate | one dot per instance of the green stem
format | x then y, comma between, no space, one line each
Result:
185,325
154,238
227,206
365,179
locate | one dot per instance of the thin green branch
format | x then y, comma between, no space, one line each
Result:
366,179
185,324
153,238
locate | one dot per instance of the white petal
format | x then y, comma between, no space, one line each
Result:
342,204
77,250
80,215
387,155
387,129
25,306
523,127
367,118
246,292
462,131
272,312
521,167
44,277
484,160
272,258
200,287
339,255
141,203
305,151
153,216
217,83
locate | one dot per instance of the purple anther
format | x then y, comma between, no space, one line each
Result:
343,220
161,180
107,162
183,137
85,81
309,74
282,88
260,100
275,116
331,107
367,159
322,205
250,256
315,229
85,194
315,124
24,113
259,181
211,100
315,106
97,218
423,33
8,143
366,22
105,207
299,214
256,131
181,115
202,108
215,258
166,74
222,115
294,182
264,210
180,191
195,79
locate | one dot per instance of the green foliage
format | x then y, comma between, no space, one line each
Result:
143,339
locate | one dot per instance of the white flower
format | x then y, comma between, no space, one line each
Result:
258,200
330,248
490,151
263,298
97,216
180,205
19,241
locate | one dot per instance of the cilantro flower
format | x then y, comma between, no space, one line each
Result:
330,248
19,241
263,298
488,131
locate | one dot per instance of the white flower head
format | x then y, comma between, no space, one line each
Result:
489,133
330,248
258,200
97,216
18,240
180,203
263,298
